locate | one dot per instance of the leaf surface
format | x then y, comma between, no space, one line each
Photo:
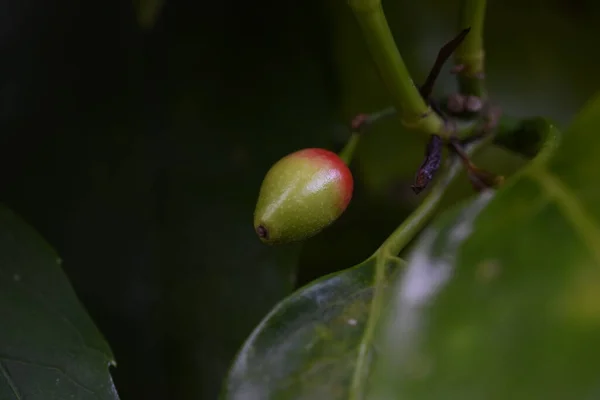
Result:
307,347
49,347
501,298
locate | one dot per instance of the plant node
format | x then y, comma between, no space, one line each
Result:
456,103
473,104
362,122
430,165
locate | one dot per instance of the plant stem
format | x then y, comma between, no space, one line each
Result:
360,124
470,53
414,111
347,153
390,249
419,218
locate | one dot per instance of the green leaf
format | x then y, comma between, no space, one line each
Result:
307,347
501,298
49,347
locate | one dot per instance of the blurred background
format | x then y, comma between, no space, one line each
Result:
138,154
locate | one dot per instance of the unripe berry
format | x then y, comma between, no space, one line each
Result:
301,194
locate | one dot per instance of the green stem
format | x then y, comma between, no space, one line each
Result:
347,153
390,248
414,111
365,121
396,242
470,53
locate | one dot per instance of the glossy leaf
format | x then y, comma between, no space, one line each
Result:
501,298
49,347
307,347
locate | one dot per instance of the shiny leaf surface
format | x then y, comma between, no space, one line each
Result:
307,347
501,298
49,347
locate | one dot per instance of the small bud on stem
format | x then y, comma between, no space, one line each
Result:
433,159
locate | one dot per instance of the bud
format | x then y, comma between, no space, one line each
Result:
302,193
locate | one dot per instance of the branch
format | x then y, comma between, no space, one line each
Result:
415,113
470,56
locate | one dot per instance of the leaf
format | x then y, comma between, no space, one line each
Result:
306,348
154,177
49,347
501,298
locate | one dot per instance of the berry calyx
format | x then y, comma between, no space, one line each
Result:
302,193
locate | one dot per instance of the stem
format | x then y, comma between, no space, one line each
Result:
419,218
376,116
414,111
360,124
347,152
470,53
390,248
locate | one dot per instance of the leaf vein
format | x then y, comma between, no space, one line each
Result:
10,381
572,208
49,367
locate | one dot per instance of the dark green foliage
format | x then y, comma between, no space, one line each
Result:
138,156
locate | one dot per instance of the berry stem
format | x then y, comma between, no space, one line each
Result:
347,153
414,111
359,126
469,58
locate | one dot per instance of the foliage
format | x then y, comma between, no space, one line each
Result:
500,296
49,346
136,135
463,311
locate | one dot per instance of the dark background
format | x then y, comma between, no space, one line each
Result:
138,155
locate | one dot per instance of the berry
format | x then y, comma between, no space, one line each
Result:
302,193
